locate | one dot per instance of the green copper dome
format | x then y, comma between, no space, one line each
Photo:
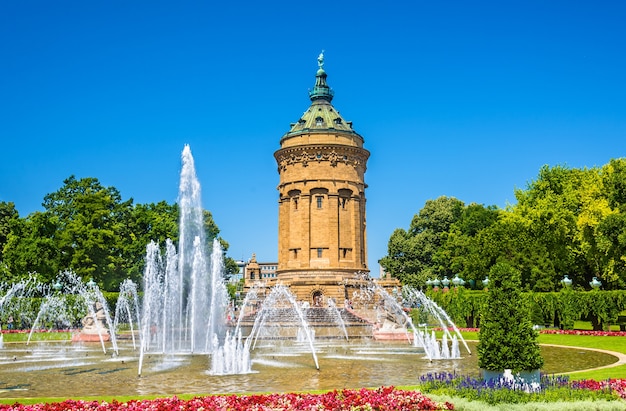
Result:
321,115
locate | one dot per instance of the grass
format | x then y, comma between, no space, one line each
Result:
462,404
37,336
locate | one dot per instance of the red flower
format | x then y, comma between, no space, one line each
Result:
382,399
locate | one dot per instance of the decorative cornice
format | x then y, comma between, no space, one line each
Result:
355,156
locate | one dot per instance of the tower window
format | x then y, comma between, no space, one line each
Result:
338,120
319,200
319,121
295,203
343,203
319,252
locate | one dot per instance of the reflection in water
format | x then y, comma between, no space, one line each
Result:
63,370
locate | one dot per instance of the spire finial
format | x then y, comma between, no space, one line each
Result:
320,60
321,89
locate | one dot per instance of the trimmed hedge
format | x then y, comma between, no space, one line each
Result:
553,309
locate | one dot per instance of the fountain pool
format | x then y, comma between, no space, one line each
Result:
63,369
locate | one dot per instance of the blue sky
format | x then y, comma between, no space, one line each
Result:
455,98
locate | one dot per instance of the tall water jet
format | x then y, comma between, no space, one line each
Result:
192,263
185,297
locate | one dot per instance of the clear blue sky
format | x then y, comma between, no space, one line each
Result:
459,98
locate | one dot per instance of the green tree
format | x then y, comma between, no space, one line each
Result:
148,222
507,339
91,228
8,216
411,253
30,248
550,207
614,182
461,250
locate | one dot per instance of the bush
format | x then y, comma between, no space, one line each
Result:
507,339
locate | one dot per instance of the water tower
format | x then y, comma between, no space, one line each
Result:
321,206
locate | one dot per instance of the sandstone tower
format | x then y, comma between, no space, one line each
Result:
321,220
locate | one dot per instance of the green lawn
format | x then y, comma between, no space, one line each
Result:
45,336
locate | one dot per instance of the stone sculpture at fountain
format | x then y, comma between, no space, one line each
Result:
94,325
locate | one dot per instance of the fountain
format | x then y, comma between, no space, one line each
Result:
185,297
275,343
415,298
127,312
7,297
278,317
59,310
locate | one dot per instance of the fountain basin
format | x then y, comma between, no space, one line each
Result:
399,335
64,369
89,337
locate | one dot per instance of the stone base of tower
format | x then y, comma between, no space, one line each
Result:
315,288
360,300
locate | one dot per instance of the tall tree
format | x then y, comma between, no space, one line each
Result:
30,248
91,225
549,207
148,222
8,216
411,253
462,251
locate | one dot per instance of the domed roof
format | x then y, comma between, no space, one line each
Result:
321,115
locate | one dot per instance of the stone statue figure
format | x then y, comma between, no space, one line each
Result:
95,323
320,59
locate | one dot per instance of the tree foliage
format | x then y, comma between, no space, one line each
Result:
567,221
412,254
88,228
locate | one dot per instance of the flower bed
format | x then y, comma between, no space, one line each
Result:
556,331
551,388
386,398
586,332
617,386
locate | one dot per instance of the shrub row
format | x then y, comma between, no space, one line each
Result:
553,309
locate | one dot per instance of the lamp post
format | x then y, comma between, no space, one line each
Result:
445,282
435,283
595,283
458,281
566,281
486,282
